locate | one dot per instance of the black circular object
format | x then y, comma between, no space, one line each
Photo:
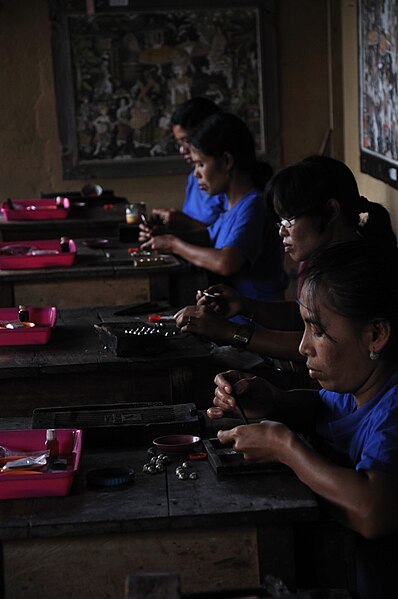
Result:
110,477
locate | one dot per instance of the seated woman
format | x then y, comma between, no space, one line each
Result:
349,305
242,247
199,209
316,202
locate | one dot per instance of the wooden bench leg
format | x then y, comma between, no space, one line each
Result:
276,553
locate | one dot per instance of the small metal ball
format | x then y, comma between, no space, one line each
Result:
193,475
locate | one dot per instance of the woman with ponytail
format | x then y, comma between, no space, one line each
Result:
241,248
315,202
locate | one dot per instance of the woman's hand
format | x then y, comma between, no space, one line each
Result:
257,396
145,233
265,441
163,215
175,219
227,301
203,321
164,243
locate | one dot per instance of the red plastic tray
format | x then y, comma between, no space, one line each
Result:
45,484
32,260
44,319
36,209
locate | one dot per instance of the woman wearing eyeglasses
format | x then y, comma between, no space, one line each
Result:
315,202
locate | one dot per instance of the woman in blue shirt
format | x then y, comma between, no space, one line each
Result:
349,305
199,209
315,202
241,247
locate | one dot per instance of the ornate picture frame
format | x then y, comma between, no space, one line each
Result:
378,88
122,66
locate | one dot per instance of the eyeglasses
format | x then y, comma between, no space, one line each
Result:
286,223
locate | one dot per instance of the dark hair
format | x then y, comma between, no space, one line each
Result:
226,132
308,185
192,112
360,279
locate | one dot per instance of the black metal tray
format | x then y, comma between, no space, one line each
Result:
225,460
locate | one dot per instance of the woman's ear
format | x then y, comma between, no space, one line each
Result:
333,210
380,334
228,161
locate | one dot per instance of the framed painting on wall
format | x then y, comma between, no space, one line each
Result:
122,66
378,88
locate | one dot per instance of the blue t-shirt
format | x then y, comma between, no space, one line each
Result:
247,226
367,437
199,205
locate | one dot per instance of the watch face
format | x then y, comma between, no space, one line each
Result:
241,338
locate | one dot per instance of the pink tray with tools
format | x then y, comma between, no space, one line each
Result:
16,255
44,483
36,209
44,320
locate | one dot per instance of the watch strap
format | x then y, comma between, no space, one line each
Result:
242,335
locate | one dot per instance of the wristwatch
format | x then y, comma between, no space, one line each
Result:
242,335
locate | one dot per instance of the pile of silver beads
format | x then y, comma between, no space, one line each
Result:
183,473
156,464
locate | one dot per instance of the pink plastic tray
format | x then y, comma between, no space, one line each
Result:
28,254
37,209
45,484
44,319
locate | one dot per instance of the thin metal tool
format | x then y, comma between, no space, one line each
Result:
214,295
238,403
242,412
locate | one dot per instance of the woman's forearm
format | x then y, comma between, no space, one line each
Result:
224,262
279,315
363,501
282,345
276,344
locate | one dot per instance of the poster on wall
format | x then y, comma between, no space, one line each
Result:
121,70
378,88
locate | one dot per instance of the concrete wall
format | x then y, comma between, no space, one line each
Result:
30,150
372,188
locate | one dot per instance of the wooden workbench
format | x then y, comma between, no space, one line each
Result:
101,277
215,533
76,368
88,217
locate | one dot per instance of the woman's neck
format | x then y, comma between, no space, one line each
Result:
376,381
240,184
343,232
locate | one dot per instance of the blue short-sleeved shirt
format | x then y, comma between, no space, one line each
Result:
247,226
368,437
199,205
